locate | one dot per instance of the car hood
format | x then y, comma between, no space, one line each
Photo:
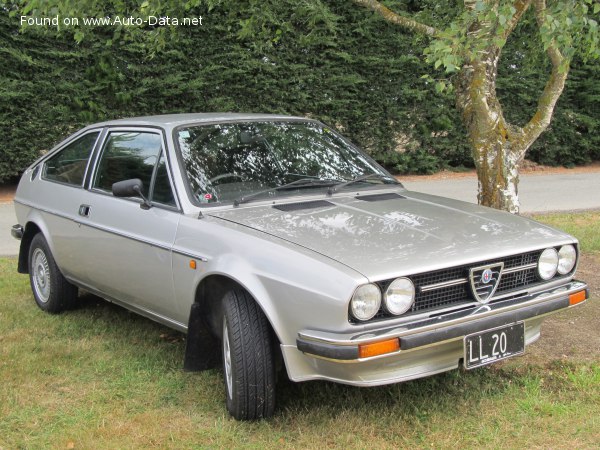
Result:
391,234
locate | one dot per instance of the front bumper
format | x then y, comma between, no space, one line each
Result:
427,346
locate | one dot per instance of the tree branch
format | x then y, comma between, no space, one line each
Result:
395,18
553,89
521,6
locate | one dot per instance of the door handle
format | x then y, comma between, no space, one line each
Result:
84,210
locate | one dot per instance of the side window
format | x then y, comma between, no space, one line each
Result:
128,155
68,165
162,192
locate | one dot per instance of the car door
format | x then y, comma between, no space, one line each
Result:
128,250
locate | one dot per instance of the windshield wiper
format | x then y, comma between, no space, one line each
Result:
302,183
358,179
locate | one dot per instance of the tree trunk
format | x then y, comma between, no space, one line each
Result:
498,148
496,152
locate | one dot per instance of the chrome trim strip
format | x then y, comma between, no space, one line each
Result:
457,281
520,268
188,254
443,284
125,235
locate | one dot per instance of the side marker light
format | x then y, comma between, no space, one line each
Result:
577,297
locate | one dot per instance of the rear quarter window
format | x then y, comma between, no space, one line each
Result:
69,164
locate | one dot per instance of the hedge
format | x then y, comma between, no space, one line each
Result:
362,78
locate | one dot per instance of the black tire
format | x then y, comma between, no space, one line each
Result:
52,292
248,358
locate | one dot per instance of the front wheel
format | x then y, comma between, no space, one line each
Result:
52,292
248,360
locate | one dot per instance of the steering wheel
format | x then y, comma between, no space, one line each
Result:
225,175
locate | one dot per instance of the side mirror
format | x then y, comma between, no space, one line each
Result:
131,188
128,188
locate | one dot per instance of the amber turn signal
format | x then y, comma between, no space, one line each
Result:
193,264
378,348
577,297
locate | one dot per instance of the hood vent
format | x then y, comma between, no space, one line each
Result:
378,197
303,205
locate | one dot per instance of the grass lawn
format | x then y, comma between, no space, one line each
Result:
101,377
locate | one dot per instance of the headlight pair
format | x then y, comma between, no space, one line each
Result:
552,261
400,294
397,299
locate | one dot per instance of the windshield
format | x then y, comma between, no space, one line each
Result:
233,162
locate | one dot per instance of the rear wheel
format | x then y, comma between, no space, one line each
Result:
248,363
52,292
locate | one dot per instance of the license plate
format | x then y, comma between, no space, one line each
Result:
490,346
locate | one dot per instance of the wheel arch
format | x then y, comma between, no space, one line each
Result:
31,229
212,287
205,322
34,223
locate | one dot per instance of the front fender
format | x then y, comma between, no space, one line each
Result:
294,287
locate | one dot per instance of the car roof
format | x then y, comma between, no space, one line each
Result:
174,120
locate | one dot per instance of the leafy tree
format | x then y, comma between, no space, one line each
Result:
469,47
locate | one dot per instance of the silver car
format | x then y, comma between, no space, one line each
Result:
276,240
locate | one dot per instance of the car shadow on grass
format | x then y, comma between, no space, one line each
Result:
417,399
443,393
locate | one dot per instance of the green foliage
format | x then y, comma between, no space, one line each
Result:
466,33
34,88
352,71
573,137
573,26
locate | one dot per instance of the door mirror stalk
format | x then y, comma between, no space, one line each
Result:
131,188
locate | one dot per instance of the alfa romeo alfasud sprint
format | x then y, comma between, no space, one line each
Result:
278,241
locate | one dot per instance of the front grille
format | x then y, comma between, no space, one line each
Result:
459,289
439,276
523,259
441,297
516,280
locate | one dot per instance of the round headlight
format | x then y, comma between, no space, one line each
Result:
365,302
399,296
567,257
548,264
